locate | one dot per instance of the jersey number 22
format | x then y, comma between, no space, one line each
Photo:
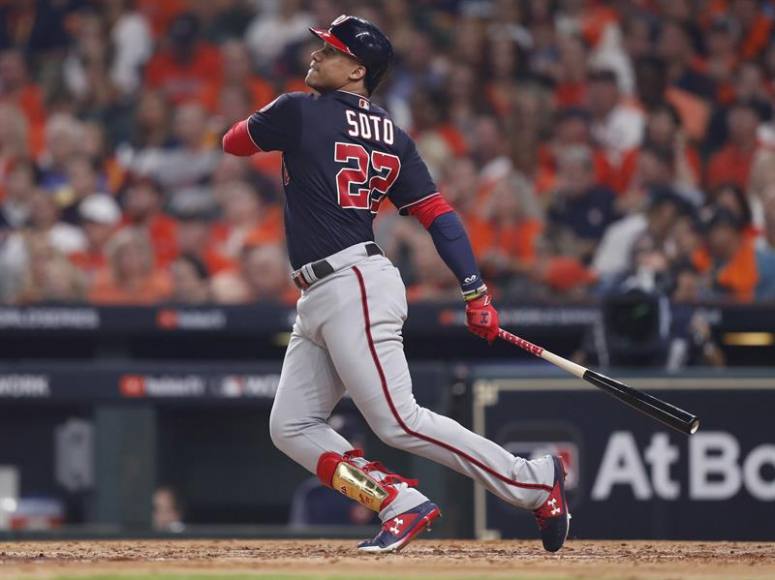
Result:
369,197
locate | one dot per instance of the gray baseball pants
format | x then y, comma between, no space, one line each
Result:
347,336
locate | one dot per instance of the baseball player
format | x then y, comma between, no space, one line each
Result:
342,156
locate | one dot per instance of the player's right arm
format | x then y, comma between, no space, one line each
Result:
275,127
415,194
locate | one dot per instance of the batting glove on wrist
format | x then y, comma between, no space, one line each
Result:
482,318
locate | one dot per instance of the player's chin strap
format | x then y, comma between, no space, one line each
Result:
367,482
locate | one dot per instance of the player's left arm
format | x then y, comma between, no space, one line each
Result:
452,243
450,239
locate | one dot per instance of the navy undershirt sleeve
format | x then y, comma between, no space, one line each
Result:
452,244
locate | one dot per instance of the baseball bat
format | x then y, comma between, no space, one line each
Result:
655,408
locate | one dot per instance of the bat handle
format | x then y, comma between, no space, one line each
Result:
566,365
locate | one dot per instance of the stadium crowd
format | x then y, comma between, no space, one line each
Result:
588,145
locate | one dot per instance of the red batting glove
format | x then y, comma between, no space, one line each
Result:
482,318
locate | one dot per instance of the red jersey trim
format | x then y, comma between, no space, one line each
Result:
405,208
238,140
429,208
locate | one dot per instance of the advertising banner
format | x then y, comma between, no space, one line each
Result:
630,477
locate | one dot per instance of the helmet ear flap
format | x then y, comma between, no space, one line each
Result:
374,77
371,81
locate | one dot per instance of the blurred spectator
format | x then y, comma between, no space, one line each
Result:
143,209
86,69
14,205
571,128
129,98
571,76
749,86
130,37
675,46
64,136
489,151
99,216
231,168
765,252
195,239
168,510
150,126
188,163
419,70
732,164
264,275
247,220
224,20
49,277
617,126
161,15
237,73
186,65
685,240
721,59
651,81
38,27
581,208
82,181
648,270
190,280
505,64
130,277
45,219
464,98
734,200
730,258
614,253
269,34
43,228
692,341
655,170
13,141
504,233
637,36
755,27
437,140
19,89
459,184
664,131
759,183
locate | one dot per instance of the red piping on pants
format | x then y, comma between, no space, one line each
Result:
400,421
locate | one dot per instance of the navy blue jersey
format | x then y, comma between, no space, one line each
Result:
342,156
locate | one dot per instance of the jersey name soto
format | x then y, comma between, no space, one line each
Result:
373,127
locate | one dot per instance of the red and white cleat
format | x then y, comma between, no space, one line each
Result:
552,516
397,532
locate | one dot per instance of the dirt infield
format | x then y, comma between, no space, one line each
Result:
429,558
